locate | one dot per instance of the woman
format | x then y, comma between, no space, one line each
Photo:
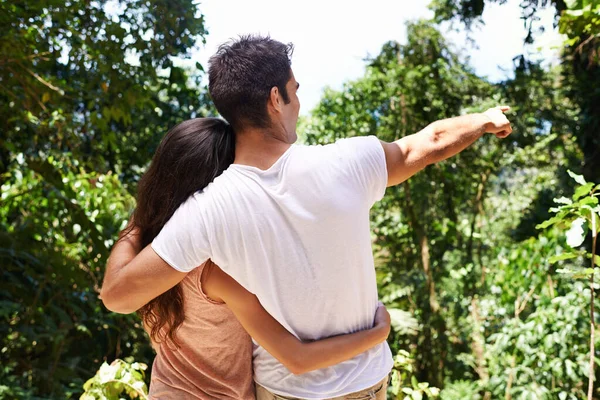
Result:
201,328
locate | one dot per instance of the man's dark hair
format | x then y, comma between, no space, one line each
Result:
241,75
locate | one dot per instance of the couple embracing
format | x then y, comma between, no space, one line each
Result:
249,257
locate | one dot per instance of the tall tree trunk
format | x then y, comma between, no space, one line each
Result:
435,325
478,346
423,243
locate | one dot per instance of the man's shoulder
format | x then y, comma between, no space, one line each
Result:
344,148
199,206
318,150
217,191
341,142
203,196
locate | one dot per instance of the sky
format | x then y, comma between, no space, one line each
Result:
333,37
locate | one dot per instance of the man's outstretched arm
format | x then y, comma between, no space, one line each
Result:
135,277
440,140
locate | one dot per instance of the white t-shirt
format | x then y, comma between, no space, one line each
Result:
298,236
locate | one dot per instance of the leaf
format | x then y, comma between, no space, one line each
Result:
576,234
548,223
414,381
403,322
578,178
566,271
583,273
582,191
561,257
577,273
571,3
588,201
595,223
574,13
88,384
82,328
563,200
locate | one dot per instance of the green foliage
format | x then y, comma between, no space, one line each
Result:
459,390
100,80
471,11
87,89
404,384
581,215
544,354
111,381
56,219
581,21
579,72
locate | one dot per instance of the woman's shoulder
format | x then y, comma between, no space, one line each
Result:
192,285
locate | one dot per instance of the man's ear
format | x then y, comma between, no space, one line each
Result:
275,100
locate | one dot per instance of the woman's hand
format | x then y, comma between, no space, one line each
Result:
297,356
382,321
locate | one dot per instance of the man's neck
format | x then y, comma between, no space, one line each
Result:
258,148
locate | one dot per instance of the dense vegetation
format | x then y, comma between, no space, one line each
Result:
486,303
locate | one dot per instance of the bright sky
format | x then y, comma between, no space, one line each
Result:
333,37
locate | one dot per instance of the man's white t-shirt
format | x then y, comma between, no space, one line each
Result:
297,235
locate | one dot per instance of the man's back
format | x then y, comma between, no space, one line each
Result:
297,235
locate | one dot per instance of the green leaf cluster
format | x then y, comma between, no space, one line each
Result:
87,90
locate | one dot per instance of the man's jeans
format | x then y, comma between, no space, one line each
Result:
375,392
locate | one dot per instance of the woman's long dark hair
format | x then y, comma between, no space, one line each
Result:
190,156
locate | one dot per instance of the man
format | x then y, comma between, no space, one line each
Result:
291,223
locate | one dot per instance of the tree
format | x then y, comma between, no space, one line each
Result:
87,89
578,19
97,81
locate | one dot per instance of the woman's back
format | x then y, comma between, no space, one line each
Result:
214,358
